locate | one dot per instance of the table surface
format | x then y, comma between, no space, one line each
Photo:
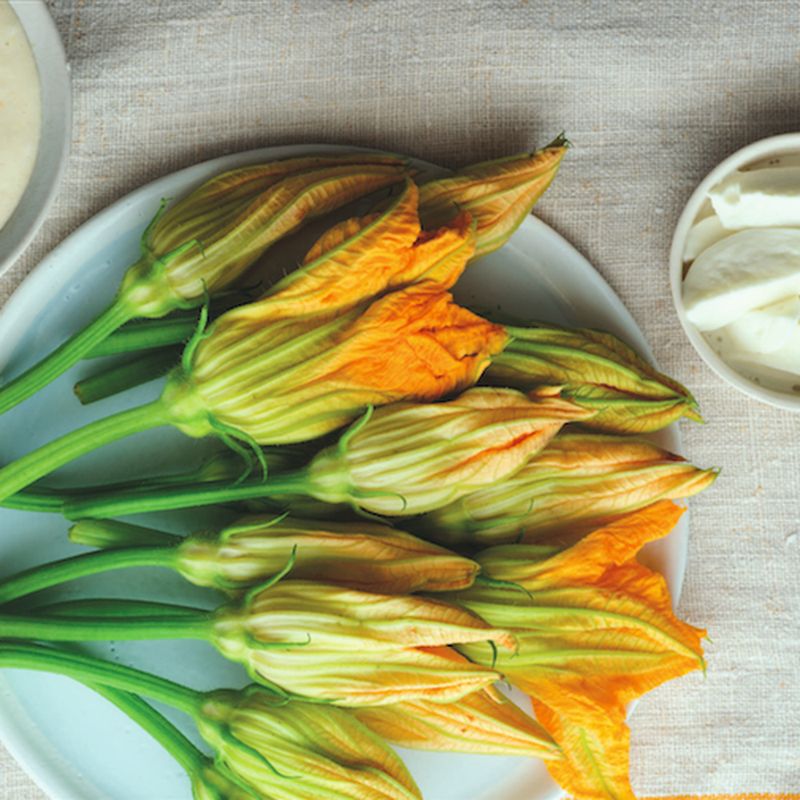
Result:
653,95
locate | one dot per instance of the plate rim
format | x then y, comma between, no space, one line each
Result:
17,738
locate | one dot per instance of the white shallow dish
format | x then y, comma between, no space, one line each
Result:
56,130
766,151
74,744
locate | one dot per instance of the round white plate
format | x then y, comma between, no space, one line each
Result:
74,744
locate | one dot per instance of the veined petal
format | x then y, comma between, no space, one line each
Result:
360,555
482,722
596,751
301,751
577,483
498,194
410,458
356,261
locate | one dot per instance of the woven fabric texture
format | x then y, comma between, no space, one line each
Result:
653,95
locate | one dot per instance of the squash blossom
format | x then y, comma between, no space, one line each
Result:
497,194
262,746
363,257
595,629
292,380
361,555
205,241
595,370
401,460
483,722
578,482
302,639
301,751
411,458
354,648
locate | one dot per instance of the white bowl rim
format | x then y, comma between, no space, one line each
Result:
783,144
56,127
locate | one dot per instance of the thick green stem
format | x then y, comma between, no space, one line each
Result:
88,669
56,628
113,608
65,356
28,469
122,377
161,729
69,569
48,501
147,335
168,498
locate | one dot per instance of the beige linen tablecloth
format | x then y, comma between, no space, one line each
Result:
652,95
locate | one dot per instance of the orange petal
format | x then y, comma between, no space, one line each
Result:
354,262
596,752
482,722
442,255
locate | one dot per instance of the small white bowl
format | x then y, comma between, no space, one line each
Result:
56,130
775,147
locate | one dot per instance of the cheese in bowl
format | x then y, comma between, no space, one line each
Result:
741,289
20,111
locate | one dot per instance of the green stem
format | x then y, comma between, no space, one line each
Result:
65,356
56,628
113,608
48,501
164,732
113,380
70,569
168,498
146,335
88,669
24,471
107,533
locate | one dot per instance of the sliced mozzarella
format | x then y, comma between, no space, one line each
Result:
702,235
766,329
758,198
746,270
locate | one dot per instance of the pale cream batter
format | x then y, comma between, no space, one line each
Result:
20,111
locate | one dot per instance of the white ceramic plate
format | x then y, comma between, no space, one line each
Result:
74,744
56,131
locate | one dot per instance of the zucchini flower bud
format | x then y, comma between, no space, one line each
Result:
497,194
577,483
361,555
591,621
291,380
595,370
301,751
208,239
482,722
204,242
596,630
352,262
411,458
353,648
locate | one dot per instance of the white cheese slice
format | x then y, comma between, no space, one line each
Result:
766,329
746,270
702,235
758,198
785,359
